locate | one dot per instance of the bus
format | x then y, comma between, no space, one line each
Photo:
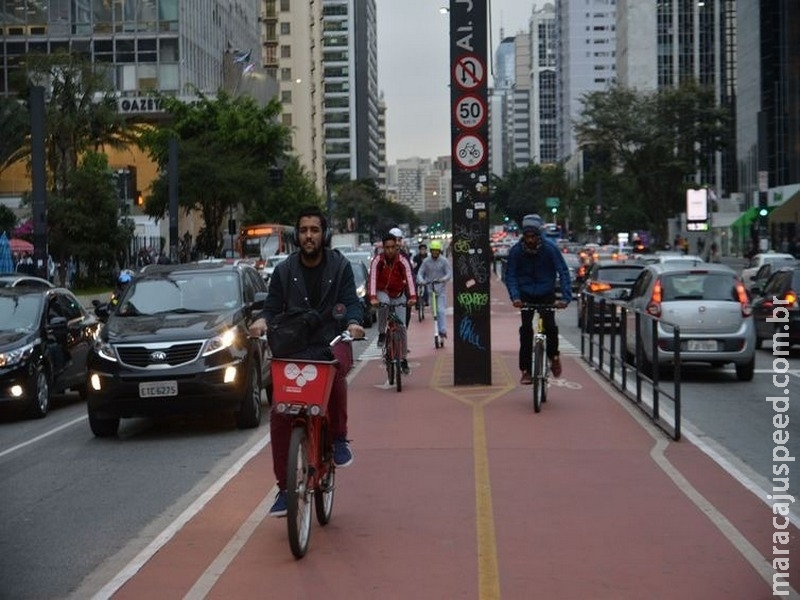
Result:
261,241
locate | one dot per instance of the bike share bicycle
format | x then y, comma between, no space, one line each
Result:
393,346
540,370
302,390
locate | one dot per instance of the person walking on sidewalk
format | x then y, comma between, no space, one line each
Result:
533,265
314,278
391,281
434,272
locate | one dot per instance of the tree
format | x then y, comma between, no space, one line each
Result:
8,220
283,203
374,213
525,190
226,147
15,125
659,141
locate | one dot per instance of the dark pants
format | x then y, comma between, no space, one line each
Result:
526,332
280,426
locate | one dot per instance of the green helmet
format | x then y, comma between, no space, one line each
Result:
436,245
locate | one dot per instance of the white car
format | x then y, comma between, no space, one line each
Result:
272,262
778,258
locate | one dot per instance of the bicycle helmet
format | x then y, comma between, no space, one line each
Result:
436,245
396,232
124,278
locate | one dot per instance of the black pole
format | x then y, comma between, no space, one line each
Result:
38,181
172,169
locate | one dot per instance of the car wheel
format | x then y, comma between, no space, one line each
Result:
103,426
249,414
40,403
745,371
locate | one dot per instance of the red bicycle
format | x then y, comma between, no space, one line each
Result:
302,389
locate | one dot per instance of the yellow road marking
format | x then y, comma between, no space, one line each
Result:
477,397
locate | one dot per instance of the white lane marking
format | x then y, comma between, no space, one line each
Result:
38,438
217,567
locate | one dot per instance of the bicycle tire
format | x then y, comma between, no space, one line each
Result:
398,370
298,505
323,494
538,378
421,310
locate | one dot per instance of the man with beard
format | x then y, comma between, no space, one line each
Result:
314,278
533,265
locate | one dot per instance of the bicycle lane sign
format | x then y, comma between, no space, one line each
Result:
469,151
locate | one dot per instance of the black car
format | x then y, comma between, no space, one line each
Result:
607,279
45,338
177,342
783,285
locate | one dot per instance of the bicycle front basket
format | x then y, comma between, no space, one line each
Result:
302,382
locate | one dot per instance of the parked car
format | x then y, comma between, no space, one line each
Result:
18,280
759,281
749,272
783,284
271,263
45,338
710,305
606,279
663,256
178,343
576,270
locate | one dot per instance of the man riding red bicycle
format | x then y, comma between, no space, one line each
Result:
314,278
533,265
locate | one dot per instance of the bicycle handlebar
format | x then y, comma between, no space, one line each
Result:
345,337
531,306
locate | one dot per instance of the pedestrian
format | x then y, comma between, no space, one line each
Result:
713,254
419,257
314,278
435,272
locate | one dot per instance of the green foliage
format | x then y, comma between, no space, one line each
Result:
226,147
525,190
15,125
283,203
8,220
374,213
655,144
86,224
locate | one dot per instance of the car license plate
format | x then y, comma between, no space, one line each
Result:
158,389
701,346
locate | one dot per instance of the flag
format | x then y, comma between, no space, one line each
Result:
242,57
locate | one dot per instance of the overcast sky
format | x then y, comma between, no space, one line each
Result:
413,70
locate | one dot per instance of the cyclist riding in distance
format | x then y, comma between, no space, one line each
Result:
421,255
533,264
435,268
390,279
123,281
403,250
313,277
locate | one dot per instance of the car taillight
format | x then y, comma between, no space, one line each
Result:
599,286
654,306
790,298
744,301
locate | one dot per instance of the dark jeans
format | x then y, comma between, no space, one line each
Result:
526,332
280,426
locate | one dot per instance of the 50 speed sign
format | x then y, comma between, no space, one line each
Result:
470,112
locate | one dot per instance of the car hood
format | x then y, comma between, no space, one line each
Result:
168,326
13,339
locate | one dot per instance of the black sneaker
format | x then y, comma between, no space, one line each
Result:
404,367
342,455
381,339
279,506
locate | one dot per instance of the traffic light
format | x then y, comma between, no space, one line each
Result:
762,200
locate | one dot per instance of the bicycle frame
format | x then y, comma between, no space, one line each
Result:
540,367
393,346
301,390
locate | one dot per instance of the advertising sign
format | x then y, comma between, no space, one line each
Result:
697,205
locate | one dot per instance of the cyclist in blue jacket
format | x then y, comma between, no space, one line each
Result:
534,263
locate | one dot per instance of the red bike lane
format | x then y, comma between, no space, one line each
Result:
464,492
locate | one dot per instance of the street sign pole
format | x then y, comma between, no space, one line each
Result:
471,253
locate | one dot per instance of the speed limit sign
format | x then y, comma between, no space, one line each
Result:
470,112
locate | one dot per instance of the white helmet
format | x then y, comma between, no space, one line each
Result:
396,232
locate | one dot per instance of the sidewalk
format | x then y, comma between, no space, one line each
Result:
466,493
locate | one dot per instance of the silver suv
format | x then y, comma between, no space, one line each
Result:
709,303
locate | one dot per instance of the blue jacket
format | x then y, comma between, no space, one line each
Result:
530,276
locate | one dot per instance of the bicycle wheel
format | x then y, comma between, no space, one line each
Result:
323,495
388,359
298,495
538,377
398,369
420,310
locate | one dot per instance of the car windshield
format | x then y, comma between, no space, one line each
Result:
20,312
182,292
699,286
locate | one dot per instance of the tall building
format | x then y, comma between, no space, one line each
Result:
521,102
411,174
586,37
662,44
291,34
544,99
351,96
501,112
768,98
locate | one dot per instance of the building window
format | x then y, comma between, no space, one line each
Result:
286,51
286,96
286,28
285,6
286,74
286,119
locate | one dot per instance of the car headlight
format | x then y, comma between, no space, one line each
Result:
220,342
13,357
105,350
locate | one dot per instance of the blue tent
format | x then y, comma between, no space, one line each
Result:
6,262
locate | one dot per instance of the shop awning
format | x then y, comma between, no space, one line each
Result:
788,212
